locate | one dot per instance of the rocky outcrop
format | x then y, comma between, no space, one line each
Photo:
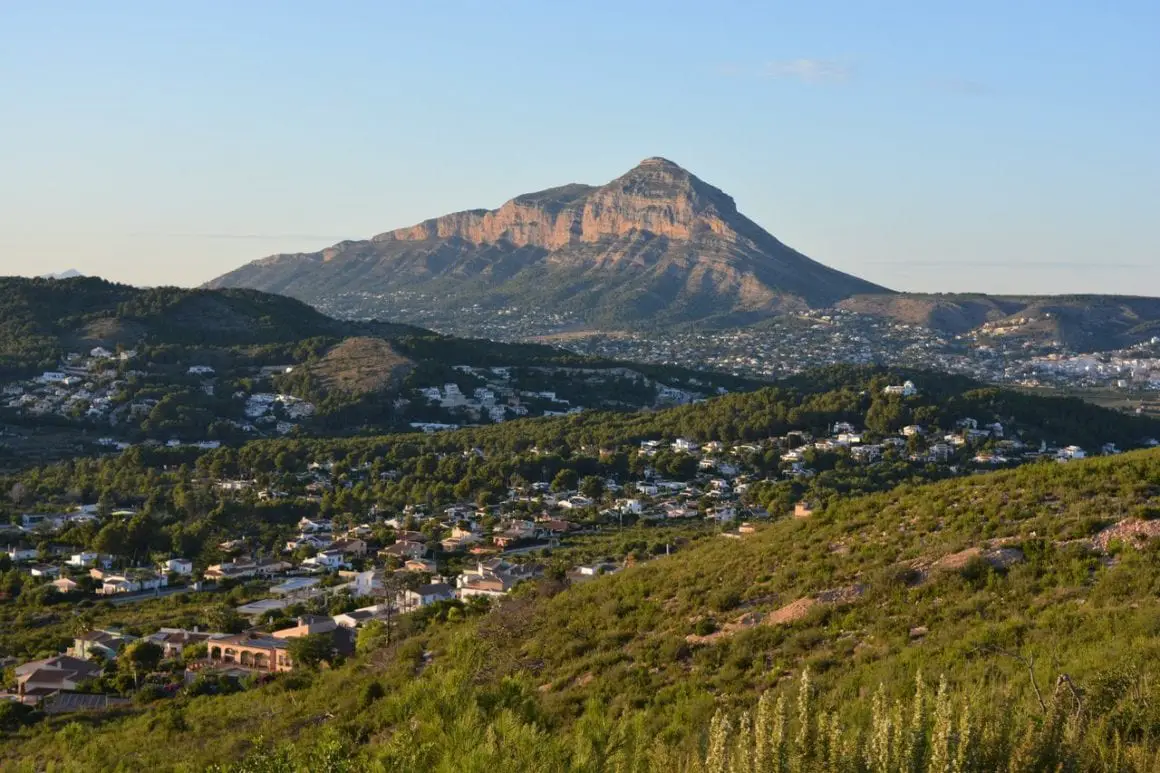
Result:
657,197
655,244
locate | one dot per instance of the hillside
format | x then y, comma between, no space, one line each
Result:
361,365
42,319
84,355
656,245
1010,592
1080,322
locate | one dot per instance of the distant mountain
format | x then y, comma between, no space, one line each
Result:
1080,322
656,245
71,273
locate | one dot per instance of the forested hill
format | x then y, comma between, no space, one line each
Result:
1000,622
42,319
811,402
756,430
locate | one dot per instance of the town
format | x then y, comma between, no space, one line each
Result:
995,352
308,591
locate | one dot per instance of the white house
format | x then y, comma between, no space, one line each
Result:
182,566
200,370
17,553
327,559
906,389
1069,453
84,558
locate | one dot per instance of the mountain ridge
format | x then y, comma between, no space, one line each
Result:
656,243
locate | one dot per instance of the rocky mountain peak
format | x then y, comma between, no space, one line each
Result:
656,242
657,197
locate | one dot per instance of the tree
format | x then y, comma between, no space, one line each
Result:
111,539
311,651
14,715
565,480
221,618
592,487
195,651
370,637
141,656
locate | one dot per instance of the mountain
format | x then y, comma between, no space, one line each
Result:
655,245
1080,322
66,274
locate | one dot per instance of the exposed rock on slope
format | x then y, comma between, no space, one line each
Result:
654,245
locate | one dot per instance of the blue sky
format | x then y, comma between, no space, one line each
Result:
984,146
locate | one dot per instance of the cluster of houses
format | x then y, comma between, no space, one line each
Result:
92,387
496,399
499,397
81,385
62,683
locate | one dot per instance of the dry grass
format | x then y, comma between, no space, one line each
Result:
362,365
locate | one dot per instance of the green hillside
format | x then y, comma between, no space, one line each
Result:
129,350
1043,624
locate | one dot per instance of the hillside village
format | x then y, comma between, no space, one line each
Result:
996,352
329,578
138,401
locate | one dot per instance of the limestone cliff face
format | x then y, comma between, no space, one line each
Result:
657,197
656,244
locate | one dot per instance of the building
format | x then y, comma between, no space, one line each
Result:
427,594
252,650
419,565
22,553
173,641
132,581
350,546
803,509
83,559
182,566
494,578
39,678
356,618
64,585
906,389
307,625
107,644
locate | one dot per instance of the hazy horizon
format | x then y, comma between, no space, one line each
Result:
973,149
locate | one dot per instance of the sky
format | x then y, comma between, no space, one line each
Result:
926,145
